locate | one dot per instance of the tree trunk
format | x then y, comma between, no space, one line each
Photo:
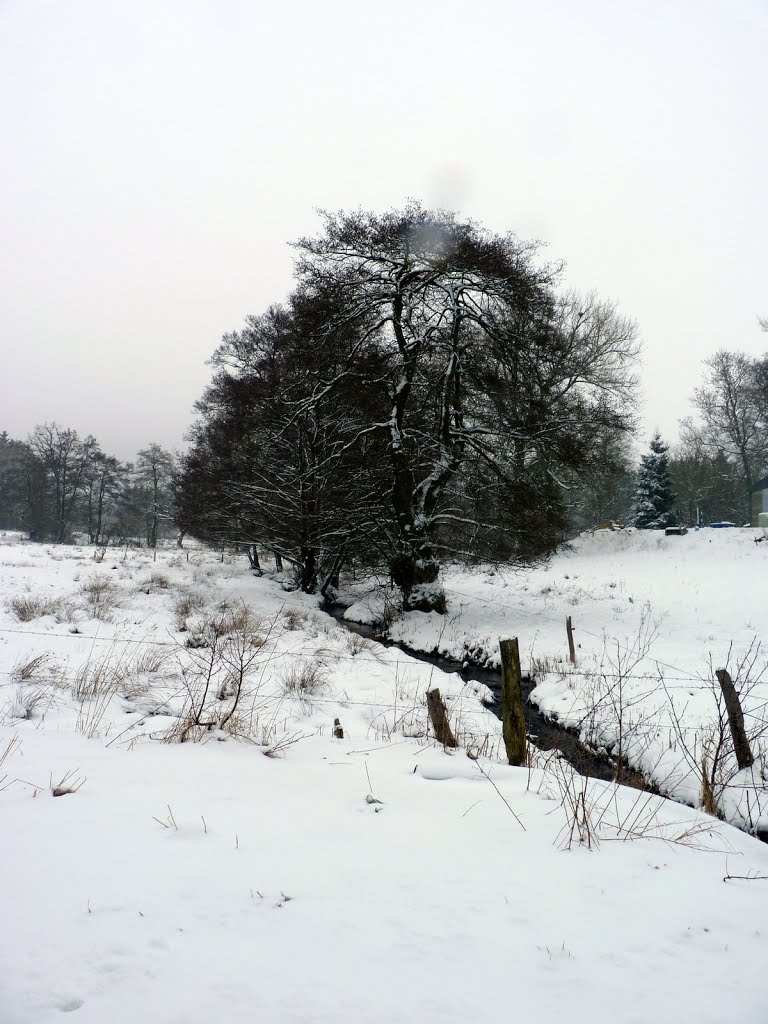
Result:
415,571
308,570
332,579
253,558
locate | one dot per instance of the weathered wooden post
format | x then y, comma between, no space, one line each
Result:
741,749
512,715
571,646
439,718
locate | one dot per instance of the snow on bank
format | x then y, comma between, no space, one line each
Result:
202,881
653,616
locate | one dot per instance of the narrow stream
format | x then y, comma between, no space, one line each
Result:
545,734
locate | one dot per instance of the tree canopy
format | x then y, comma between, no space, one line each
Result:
426,392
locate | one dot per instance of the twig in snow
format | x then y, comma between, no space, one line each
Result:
509,808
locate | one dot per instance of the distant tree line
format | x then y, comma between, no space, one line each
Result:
724,448
722,453
55,484
425,393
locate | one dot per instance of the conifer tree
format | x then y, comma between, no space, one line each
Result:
654,500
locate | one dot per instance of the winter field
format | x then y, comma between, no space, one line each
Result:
185,839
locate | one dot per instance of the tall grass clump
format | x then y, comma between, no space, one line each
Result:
100,595
28,607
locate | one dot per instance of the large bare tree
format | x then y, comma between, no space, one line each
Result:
485,370
733,415
64,460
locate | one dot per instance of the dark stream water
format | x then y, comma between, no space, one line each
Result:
542,732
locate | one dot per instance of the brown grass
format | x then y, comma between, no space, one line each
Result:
100,595
28,607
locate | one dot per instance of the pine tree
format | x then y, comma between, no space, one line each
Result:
654,500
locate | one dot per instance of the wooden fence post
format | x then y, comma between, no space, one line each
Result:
744,756
571,646
439,719
512,715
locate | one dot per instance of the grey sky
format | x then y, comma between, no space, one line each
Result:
156,157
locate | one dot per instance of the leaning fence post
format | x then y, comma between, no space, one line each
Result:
512,716
571,647
439,719
744,756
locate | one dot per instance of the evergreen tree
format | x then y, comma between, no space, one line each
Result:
654,500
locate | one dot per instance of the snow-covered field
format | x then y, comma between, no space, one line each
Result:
653,618
266,870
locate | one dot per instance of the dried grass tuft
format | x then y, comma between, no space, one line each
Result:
100,595
188,603
28,607
30,667
304,678
67,784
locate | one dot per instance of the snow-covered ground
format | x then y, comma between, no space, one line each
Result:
653,618
373,877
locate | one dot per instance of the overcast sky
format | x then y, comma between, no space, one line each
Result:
157,157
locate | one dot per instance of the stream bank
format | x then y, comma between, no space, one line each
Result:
542,732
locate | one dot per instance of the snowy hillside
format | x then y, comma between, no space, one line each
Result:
266,869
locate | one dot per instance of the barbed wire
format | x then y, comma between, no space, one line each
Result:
417,658
605,638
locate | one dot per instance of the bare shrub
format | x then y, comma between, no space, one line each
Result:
708,751
392,609
642,818
217,674
577,801
100,595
